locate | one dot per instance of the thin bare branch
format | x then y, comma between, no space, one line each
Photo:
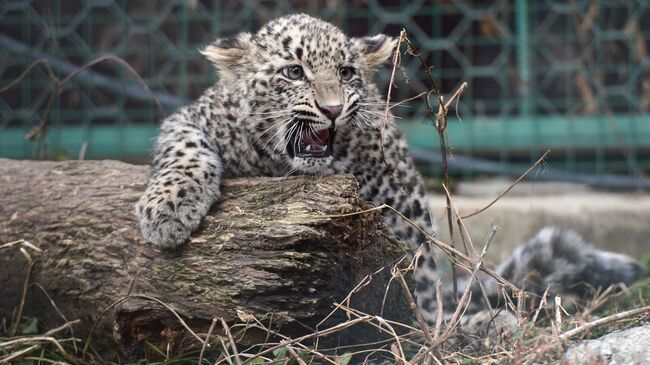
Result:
539,160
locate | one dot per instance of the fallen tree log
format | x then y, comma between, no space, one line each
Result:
271,248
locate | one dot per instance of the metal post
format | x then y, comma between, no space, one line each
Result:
523,55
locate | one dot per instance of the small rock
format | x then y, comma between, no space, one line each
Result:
626,347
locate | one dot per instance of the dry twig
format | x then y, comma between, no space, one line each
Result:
40,131
539,160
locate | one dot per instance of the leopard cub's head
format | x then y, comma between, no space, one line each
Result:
305,82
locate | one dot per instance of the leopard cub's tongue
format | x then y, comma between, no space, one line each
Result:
320,139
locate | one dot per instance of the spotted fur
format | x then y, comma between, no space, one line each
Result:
263,108
555,261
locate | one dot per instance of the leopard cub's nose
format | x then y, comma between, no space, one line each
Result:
331,111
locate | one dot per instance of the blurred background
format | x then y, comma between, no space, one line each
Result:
569,75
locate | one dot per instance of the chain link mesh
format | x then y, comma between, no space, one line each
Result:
571,75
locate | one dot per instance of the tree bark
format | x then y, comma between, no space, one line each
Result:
270,248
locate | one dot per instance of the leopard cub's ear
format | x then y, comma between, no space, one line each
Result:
229,54
375,50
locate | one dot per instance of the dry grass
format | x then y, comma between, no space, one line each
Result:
539,337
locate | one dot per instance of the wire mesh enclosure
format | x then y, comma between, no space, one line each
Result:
567,75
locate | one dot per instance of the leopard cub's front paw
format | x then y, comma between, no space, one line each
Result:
163,224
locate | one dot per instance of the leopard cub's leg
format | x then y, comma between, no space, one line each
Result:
184,183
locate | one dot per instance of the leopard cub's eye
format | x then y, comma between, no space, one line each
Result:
346,73
294,72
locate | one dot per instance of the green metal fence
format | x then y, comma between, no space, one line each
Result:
571,75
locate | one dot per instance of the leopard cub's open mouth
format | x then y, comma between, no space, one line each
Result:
307,143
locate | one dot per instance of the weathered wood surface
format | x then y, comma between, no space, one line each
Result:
268,247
